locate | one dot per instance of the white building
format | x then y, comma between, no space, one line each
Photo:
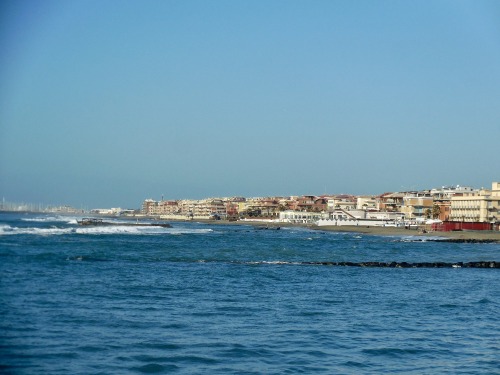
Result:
446,192
301,217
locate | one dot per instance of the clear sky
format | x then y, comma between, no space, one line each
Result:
107,103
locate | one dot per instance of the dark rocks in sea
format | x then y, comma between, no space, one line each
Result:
267,227
461,240
482,264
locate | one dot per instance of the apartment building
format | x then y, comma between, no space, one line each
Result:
261,206
446,192
342,202
366,202
148,206
153,208
444,207
477,206
167,208
206,208
416,208
390,202
442,200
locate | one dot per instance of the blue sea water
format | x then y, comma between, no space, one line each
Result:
230,299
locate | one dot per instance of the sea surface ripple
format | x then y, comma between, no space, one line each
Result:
199,298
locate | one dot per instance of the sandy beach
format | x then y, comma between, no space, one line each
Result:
393,231
486,236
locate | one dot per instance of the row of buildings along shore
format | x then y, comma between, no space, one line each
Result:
448,204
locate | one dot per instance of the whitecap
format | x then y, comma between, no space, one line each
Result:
277,262
7,230
139,230
177,231
108,230
100,230
49,219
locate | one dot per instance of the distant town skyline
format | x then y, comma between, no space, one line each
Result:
106,103
26,205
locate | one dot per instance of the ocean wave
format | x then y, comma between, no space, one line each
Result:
5,229
418,238
180,231
8,230
51,219
279,262
130,229
116,230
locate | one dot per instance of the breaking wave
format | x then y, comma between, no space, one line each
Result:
108,230
8,230
418,238
52,219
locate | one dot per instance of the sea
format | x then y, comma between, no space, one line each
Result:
201,298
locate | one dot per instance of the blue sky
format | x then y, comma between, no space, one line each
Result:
106,103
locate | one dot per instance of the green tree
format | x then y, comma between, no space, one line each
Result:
436,211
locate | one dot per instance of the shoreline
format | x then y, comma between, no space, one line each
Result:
453,236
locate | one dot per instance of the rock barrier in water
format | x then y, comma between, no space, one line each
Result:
482,264
459,240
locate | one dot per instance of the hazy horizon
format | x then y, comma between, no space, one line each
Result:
108,103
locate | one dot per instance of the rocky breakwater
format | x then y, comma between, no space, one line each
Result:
480,264
462,240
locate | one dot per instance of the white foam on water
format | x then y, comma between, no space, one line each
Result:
420,238
5,229
279,262
109,230
8,230
139,230
299,229
179,231
98,230
51,219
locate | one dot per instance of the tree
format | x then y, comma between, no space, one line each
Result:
436,211
282,207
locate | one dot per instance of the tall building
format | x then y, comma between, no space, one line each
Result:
477,206
148,206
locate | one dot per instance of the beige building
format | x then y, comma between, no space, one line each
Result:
477,206
367,202
343,202
163,207
202,208
390,202
415,208
266,206
148,207
167,208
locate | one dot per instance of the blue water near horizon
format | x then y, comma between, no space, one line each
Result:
200,298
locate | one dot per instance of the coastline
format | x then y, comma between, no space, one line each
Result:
453,236
458,236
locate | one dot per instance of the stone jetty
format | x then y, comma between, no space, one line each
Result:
481,264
